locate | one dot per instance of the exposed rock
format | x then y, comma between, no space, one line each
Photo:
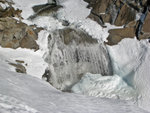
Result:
14,34
72,53
10,12
132,24
116,35
146,25
19,67
45,9
99,6
69,35
19,61
117,12
125,16
106,18
97,18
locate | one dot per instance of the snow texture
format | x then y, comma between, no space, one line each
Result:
24,92
131,61
12,105
105,86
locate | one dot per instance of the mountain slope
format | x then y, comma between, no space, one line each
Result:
44,98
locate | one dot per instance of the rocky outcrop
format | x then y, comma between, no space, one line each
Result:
116,12
44,9
19,67
7,10
121,13
73,53
116,35
145,32
126,15
14,34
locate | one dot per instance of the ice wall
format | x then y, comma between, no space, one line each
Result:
104,86
131,59
73,53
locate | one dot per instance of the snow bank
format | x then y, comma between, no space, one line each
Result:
33,60
23,92
104,86
12,105
73,10
26,6
34,63
130,60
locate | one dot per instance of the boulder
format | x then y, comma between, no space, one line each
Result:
19,67
14,34
125,16
116,35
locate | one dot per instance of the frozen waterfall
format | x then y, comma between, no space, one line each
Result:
72,53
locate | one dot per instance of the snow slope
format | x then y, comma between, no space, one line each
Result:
131,59
12,105
33,61
26,94
26,6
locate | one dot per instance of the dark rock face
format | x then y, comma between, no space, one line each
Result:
115,12
121,13
145,32
73,53
126,15
14,34
116,35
